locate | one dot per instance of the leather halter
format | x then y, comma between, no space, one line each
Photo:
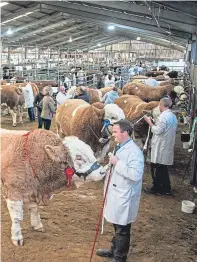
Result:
94,167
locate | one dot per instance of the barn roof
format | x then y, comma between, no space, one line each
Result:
84,24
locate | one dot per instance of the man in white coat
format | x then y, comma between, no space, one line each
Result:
62,96
124,192
29,100
162,148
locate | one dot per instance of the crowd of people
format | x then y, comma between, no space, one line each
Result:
127,161
43,102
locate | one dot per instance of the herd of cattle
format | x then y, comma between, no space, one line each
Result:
34,165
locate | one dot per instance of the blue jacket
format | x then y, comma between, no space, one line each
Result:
110,97
151,82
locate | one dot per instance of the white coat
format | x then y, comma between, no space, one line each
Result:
67,81
163,140
124,192
109,83
61,98
28,96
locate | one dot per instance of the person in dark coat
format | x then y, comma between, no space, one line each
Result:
83,95
37,101
101,83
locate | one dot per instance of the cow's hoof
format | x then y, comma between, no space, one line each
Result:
18,242
21,242
21,122
40,229
14,125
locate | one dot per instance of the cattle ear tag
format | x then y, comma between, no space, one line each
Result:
106,122
136,87
125,101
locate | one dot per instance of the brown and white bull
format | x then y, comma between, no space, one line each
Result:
43,83
94,95
89,123
13,99
147,93
107,89
38,164
134,109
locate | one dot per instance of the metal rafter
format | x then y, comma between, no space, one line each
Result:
144,33
73,27
20,12
150,36
153,40
188,8
38,21
104,43
44,28
140,10
75,39
98,39
110,42
111,17
59,39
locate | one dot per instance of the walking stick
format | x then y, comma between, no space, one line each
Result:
101,213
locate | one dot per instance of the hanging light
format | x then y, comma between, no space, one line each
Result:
111,27
70,40
9,32
99,44
3,3
138,38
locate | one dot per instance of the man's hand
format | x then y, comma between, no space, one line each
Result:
148,120
113,159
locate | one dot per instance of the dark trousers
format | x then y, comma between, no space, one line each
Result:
121,242
161,180
47,123
31,114
39,119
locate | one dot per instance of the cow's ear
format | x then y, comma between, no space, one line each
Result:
99,112
53,153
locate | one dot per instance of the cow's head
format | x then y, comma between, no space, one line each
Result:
113,113
84,160
179,89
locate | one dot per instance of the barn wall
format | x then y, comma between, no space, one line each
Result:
193,76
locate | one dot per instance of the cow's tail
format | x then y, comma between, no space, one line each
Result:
99,95
35,89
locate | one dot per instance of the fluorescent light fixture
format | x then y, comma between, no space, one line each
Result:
98,44
70,40
9,32
111,27
3,3
17,17
138,38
